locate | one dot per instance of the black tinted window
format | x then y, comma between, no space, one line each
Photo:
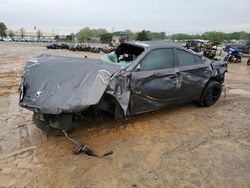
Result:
185,58
158,59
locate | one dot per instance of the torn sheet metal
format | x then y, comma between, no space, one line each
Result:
55,84
119,87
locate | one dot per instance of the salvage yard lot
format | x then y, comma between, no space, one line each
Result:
183,147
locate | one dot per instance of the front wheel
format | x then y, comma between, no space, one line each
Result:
211,94
54,124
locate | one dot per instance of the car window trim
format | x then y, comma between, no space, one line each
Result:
197,56
178,61
189,67
139,62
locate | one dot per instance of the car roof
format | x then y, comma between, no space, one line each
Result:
154,44
158,44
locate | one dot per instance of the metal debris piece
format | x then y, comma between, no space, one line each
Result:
83,148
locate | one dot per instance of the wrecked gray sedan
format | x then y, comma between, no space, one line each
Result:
136,78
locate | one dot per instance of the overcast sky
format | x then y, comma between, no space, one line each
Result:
171,16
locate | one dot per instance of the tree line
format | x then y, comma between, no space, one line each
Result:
87,33
213,36
145,35
5,32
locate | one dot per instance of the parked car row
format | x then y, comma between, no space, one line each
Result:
7,39
81,47
28,39
244,47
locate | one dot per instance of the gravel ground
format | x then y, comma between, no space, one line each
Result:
182,147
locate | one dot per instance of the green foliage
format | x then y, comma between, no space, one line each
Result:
213,36
11,33
86,32
69,38
57,38
158,36
143,36
245,35
183,36
106,38
131,35
39,34
22,31
236,35
3,30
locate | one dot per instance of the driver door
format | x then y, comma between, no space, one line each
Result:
154,84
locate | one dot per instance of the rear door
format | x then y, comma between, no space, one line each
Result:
154,84
193,74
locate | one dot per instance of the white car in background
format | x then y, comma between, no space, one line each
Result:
221,47
7,39
17,39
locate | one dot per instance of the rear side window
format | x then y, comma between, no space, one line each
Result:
198,60
185,58
158,59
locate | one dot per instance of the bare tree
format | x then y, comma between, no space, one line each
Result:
22,32
39,34
11,33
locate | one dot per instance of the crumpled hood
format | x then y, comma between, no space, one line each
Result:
56,84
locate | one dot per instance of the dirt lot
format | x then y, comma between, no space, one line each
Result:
183,147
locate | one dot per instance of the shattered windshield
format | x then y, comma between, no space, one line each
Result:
124,55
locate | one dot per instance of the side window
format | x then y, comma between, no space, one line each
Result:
198,59
185,58
158,59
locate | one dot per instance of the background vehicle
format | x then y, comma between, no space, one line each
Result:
17,39
208,49
244,47
136,78
7,39
233,55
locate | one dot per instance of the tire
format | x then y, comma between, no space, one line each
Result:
119,114
211,94
53,124
248,61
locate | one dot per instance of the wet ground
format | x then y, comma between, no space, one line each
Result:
182,147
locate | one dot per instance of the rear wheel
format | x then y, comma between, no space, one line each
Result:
248,61
211,94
